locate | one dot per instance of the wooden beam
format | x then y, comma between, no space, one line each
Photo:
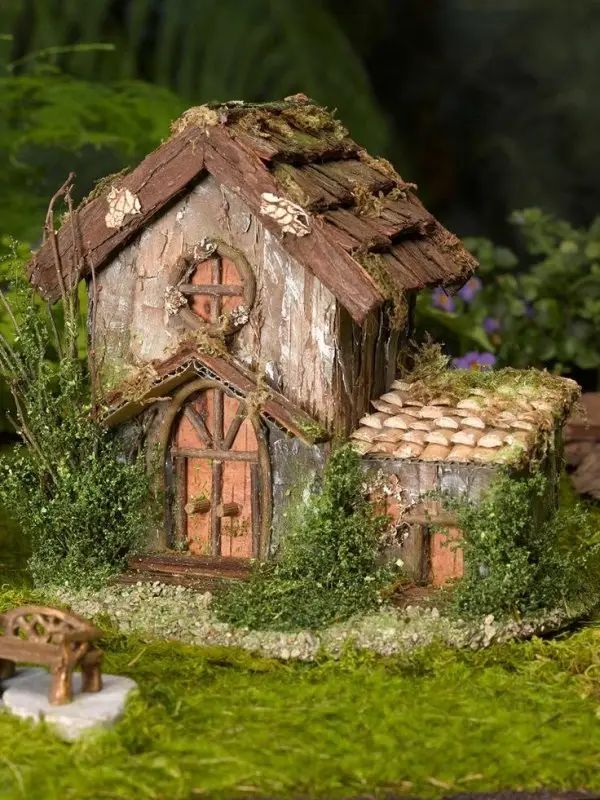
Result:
291,417
228,290
255,508
213,455
170,563
199,425
215,519
216,299
234,427
179,500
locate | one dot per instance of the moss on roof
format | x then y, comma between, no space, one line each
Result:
431,377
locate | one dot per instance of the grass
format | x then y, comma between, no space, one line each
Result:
221,723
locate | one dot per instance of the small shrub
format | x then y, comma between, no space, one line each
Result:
328,568
81,503
518,559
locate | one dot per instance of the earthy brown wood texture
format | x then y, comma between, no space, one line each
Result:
56,638
200,566
218,481
162,175
357,205
303,339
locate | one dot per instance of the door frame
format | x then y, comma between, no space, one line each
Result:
171,418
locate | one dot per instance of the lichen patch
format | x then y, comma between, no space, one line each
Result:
121,203
199,116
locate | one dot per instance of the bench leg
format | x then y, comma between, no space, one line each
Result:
91,677
60,689
7,669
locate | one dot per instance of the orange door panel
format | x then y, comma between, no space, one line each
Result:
221,478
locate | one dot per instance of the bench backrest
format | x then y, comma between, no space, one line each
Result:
41,624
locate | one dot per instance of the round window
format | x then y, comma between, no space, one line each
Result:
215,289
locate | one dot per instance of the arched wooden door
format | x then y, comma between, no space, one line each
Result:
219,465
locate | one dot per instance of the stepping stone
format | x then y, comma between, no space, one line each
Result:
26,696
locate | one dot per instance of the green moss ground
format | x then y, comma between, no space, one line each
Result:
220,723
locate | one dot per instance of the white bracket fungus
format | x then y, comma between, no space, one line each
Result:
291,217
121,202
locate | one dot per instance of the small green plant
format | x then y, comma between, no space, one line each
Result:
520,556
328,568
538,308
68,486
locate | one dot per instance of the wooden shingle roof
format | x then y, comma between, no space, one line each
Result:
506,424
364,232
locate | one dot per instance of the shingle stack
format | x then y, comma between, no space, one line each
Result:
500,425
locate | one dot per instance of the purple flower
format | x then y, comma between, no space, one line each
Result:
470,289
491,325
474,360
440,299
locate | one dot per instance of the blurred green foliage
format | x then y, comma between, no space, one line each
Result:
53,123
540,308
72,99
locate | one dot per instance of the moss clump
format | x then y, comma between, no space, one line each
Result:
365,202
387,168
198,116
328,568
312,430
101,186
448,243
284,176
521,554
314,120
431,377
374,264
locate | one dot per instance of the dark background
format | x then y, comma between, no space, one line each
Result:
489,105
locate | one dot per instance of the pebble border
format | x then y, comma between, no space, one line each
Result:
175,612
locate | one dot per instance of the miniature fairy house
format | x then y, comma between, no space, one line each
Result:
251,288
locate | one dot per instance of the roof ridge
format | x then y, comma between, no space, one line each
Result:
363,232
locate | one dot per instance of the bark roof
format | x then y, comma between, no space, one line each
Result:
510,422
346,216
160,378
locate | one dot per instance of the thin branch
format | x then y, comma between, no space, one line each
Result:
9,311
27,435
76,273
50,233
54,330
92,362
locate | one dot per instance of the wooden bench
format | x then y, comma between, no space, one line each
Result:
53,638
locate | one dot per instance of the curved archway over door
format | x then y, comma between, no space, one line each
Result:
218,474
